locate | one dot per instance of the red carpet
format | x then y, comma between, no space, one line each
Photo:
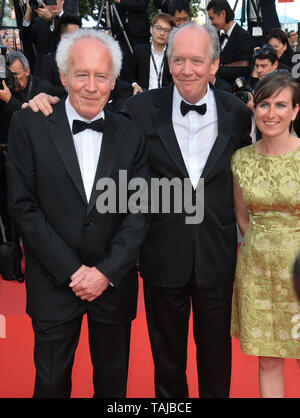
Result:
17,370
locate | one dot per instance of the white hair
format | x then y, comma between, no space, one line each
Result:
63,49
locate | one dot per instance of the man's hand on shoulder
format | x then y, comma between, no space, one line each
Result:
42,102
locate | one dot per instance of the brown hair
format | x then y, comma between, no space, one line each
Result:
276,81
164,16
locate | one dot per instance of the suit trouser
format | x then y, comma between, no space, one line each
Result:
168,312
54,351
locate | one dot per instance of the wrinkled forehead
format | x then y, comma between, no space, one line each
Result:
194,39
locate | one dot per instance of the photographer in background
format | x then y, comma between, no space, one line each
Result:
18,87
25,87
265,61
40,29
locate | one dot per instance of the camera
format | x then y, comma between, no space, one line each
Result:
35,4
5,73
241,89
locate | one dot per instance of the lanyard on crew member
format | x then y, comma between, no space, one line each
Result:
159,74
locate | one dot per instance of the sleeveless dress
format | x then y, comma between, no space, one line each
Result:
265,310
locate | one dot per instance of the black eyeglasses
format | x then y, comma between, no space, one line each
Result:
161,29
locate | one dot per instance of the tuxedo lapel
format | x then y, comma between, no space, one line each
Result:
162,116
166,73
108,154
229,45
145,61
63,140
224,132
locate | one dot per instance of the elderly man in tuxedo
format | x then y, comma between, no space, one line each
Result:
192,130
80,256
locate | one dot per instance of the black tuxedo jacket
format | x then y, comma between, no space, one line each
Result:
138,69
60,229
238,48
173,250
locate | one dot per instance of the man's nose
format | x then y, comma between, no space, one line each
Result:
91,84
187,67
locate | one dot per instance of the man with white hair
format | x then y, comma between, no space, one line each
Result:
78,260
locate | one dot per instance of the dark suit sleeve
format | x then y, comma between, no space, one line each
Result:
125,246
130,69
44,242
12,105
47,71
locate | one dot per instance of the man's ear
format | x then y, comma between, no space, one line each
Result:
215,66
113,83
63,79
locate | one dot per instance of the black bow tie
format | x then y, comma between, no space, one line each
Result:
185,108
79,125
223,37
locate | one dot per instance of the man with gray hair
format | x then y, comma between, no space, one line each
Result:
192,130
25,87
78,260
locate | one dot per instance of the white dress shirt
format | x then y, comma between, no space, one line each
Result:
87,145
153,74
196,134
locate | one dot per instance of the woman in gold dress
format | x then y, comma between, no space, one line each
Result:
266,311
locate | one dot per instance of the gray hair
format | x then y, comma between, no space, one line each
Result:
63,49
16,55
214,50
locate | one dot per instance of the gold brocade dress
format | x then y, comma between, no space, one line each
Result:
265,310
